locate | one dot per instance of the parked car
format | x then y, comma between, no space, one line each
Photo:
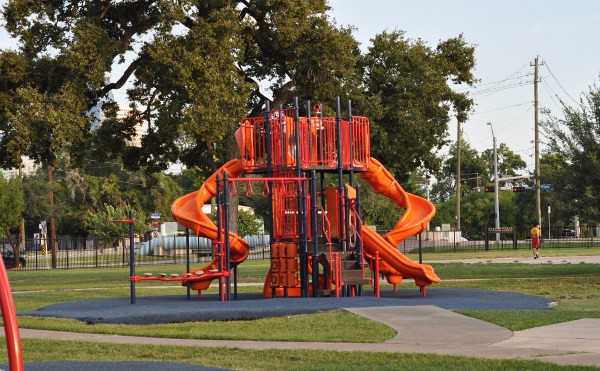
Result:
8,256
566,233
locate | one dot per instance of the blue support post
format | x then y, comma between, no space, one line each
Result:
219,233
338,139
359,247
315,234
131,257
269,149
187,259
226,237
351,138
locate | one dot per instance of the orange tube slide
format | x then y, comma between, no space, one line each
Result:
418,213
187,210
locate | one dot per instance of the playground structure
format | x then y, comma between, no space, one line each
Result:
319,246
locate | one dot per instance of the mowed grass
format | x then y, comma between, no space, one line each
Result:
575,287
247,359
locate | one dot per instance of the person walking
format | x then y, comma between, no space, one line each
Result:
536,233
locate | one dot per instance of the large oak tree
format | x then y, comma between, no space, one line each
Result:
194,68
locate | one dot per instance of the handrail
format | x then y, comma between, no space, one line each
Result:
326,232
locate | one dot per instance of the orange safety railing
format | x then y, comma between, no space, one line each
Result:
361,144
317,140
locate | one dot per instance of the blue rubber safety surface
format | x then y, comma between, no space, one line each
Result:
178,308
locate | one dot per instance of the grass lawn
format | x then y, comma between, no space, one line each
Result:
247,359
575,287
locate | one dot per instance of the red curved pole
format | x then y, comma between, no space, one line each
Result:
11,327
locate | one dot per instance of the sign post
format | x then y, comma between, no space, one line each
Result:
549,211
155,217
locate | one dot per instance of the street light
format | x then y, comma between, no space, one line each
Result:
496,206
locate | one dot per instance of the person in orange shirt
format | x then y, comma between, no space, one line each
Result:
535,240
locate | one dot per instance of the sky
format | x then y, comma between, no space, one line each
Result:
507,35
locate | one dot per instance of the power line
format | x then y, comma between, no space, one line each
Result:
475,87
551,92
501,108
558,82
492,90
517,119
497,85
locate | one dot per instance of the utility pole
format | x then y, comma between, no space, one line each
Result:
496,189
538,203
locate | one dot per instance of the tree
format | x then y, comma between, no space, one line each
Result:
554,170
101,223
411,98
474,172
509,162
575,139
196,69
12,205
377,210
249,223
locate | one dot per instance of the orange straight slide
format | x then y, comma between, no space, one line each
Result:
418,212
187,210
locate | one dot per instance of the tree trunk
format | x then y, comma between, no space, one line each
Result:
52,239
234,199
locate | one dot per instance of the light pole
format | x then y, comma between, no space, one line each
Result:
496,206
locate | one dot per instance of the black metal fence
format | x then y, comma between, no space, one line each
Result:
74,253
586,237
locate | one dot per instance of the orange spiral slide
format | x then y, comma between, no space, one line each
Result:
418,212
187,210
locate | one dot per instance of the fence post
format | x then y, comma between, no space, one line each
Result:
515,238
487,240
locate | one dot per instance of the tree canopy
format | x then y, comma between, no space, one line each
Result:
193,69
12,204
574,139
198,67
410,86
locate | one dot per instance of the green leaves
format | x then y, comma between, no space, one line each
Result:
412,82
12,203
102,223
575,167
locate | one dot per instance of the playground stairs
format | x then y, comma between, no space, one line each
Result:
351,272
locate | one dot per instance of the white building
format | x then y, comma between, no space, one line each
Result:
29,167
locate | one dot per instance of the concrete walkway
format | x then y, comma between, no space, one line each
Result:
421,329
592,259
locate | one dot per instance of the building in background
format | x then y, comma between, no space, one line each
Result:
29,167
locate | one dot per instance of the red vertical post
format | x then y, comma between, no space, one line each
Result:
377,290
11,326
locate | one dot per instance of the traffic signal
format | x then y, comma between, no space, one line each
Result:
518,189
490,189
